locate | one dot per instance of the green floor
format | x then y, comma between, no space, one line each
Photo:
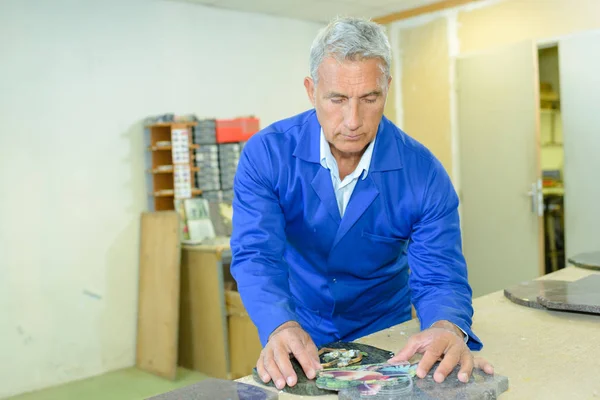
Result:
125,384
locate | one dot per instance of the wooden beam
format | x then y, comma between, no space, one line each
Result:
413,12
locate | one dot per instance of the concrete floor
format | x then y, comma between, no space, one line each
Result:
125,384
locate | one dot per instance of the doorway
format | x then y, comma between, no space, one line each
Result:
552,157
498,124
516,225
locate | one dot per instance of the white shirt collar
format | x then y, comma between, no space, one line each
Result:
328,161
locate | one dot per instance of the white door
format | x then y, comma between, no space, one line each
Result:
498,125
579,65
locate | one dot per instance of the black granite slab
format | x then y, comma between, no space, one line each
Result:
586,260
481,386
308,387
581,296
218,389
526,293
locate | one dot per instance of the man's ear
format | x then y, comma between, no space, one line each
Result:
310,89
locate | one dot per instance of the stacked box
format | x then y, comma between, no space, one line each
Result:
205,132
228,196
215,196
207,184
206,157
207,160
218,196
229,156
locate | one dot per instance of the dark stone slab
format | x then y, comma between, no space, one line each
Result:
218,389
587,260
582,296
308,387
526,293
481,386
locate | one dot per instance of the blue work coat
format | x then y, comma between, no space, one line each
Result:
295,258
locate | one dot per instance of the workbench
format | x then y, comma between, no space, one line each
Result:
545,354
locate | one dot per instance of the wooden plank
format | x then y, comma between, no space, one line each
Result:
203,337
413,12
167,193
158,296
169,170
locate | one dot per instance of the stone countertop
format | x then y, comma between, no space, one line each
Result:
545,354
589,260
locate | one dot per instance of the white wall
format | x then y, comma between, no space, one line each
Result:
76,79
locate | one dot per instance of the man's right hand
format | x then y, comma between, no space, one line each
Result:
274,361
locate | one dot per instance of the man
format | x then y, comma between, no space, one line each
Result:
330,209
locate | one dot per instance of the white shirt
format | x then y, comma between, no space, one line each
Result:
343,188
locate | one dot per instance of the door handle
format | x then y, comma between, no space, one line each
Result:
537,198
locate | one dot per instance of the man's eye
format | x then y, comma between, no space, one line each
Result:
337,100
370,99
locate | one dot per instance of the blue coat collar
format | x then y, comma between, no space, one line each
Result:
386,155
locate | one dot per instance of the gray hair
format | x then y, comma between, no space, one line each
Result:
347,38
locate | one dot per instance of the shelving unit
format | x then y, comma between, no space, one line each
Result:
169,170
170,164
167,147
191,159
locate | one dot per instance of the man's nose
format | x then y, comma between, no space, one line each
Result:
353,118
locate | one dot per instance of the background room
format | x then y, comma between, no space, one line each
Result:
103,295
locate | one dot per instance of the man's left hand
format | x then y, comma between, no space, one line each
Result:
446,342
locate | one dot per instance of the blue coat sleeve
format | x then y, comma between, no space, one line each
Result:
258,241
438,271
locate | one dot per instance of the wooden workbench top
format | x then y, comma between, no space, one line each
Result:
544,354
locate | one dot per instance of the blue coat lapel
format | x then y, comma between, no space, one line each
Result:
308,149
386,157
363,195
324,188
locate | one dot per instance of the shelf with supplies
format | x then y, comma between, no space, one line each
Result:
170,163
169,147
168,169
193,158
171,193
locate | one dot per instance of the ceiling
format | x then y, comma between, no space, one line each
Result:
317,10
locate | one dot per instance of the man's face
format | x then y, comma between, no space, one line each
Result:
349,100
